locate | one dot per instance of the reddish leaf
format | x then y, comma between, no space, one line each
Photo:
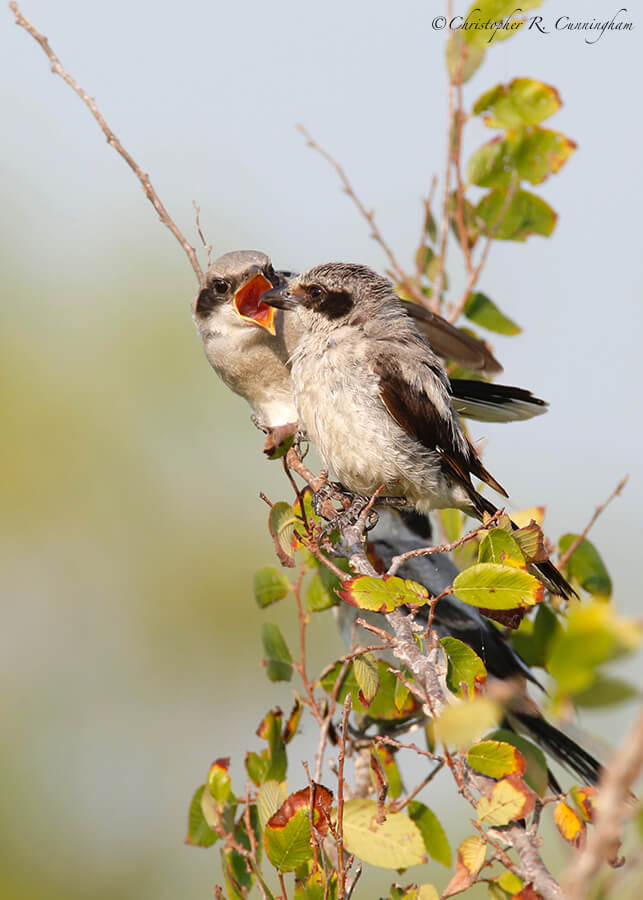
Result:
322,801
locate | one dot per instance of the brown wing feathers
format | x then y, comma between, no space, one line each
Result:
414,412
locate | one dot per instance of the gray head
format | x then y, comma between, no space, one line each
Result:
335,293
231,292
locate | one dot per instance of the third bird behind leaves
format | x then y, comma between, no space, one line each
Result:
375,399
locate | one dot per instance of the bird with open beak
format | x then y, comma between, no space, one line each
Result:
375,400
249,345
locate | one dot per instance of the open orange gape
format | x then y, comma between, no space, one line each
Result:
247,303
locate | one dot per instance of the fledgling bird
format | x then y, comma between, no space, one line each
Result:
375,399
249,345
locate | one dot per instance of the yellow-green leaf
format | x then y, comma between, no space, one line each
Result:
510,883
382,594
499,547
464,665
496,759
536,774
395,844
526,214
465,722
523,101
494,586
495,11
508,800
463,58
367,676
428,892
269,585
282,522
219,780
270,796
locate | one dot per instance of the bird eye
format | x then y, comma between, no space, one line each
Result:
220,286
316,292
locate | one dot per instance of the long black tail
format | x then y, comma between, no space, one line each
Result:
561,747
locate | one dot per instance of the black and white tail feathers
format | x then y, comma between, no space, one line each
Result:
487,402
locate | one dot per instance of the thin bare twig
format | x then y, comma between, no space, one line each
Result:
444,223
428,214
475,273
341,874
396,806
399,561
369,215
612,807
564,559
58,69
197,222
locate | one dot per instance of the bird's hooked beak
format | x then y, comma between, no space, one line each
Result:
248,301
280,298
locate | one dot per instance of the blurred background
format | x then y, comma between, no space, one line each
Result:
131,521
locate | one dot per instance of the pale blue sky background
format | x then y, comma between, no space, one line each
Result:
128,452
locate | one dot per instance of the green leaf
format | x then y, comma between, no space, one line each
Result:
199,832
314,888
269,585
526,214
492,586
463,723
586,567
523,101
288,846
270,796
536,772
496,759
424,257
534,638
395,844
257,765
483,311
382,594
278,658
499,547
318,596
606,691
464,665
463,59
391,770
270,730
383,705
367,676
483,11
282,522
433,834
